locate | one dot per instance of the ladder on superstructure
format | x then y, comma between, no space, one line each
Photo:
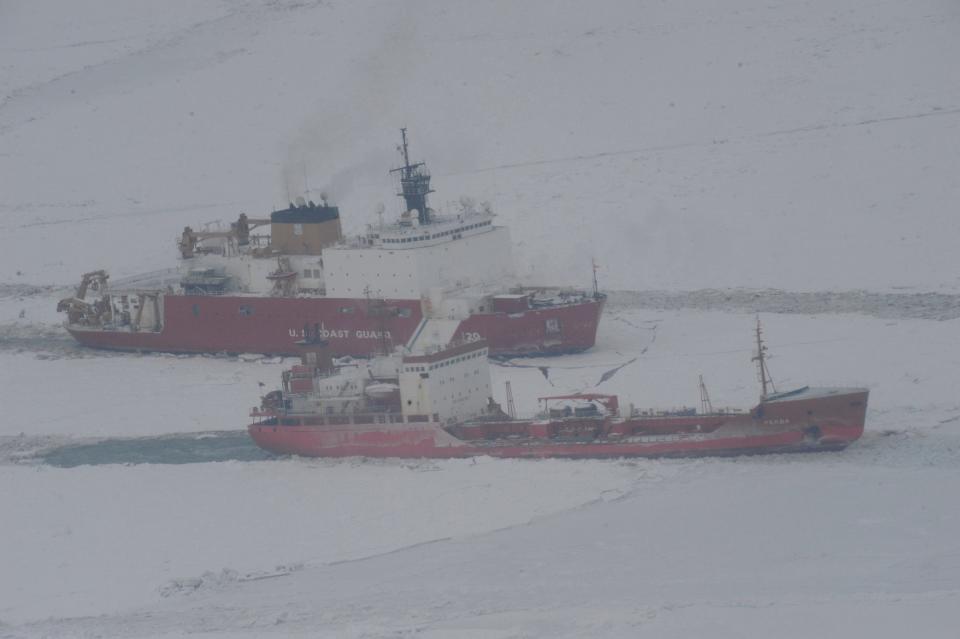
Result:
511,408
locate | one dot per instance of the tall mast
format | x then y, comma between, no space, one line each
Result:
706,406
761,359
414,183
596,288
406,157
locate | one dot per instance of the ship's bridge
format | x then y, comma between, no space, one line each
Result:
408,233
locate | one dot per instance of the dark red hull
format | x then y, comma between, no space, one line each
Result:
802,425
233,324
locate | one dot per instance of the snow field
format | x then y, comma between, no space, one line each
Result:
828,545
667,141
98,540
669,545
800,146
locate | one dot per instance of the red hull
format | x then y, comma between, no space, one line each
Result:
828,422
233,324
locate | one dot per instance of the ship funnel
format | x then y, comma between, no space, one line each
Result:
314,351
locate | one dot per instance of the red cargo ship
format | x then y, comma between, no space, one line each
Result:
437,404
427,272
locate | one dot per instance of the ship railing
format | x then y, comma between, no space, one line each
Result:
116,292
684,411
199,290
552,296
159,280
270,417
259,241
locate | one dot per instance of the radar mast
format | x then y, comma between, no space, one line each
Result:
414,183
760,358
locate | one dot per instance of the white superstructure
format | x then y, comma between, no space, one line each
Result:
252,275
412,261
448,385
450,261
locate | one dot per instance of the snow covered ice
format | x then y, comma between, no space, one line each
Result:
796,160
